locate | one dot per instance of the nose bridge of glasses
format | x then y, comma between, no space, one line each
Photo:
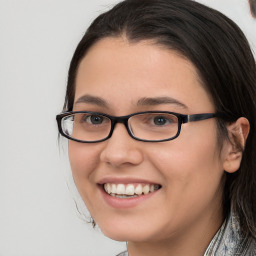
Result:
120,119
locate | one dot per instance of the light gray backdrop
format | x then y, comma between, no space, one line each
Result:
37,39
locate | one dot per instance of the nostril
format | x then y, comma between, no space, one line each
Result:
121,149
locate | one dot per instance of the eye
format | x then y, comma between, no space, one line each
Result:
93,119
160,120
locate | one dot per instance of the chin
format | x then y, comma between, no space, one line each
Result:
126,232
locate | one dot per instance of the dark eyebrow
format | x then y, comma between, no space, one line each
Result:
92,100
141,102
159,101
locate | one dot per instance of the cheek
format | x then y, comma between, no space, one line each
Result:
84,159
192,176
185,156
190,163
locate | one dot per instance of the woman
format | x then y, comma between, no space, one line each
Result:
160,114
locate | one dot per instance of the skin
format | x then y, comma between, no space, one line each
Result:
183,216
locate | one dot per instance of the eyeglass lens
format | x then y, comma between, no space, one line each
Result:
147,126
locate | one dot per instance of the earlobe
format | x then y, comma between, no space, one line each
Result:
238,133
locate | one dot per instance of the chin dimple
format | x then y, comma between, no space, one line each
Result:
129,190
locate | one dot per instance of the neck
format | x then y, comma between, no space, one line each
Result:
194,241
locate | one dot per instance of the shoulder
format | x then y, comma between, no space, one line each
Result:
231,241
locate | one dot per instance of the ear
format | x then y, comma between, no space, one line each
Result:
234,146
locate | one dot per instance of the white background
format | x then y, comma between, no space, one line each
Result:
37,39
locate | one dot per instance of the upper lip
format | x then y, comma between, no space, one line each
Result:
126,180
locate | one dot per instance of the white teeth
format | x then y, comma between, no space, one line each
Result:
145,189
138,189
113,189
107,188
124,196
129,190
120,190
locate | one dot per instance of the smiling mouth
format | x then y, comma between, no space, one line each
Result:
129,190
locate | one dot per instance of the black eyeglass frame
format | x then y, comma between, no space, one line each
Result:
182,119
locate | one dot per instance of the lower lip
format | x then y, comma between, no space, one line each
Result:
124,203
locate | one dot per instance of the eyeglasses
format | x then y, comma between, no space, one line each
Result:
149,126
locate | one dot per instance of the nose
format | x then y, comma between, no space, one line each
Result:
121,149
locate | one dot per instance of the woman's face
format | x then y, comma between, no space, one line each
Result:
119,78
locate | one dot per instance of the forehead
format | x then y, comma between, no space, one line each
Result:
124,72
